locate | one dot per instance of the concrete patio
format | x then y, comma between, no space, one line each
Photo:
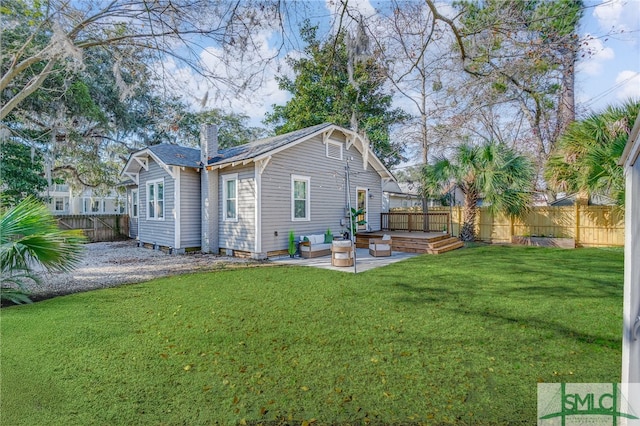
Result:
364,261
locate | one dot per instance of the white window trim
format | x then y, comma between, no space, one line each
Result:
334,143
155,182
307,217
225,179
135,212
55,204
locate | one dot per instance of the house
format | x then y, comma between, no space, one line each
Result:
245,200
591,200
63,200
402,195
630,160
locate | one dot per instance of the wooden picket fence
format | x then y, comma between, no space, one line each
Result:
104,227
589,226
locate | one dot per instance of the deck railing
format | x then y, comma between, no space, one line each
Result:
407,221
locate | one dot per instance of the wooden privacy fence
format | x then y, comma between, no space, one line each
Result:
410,221
589,226
107,227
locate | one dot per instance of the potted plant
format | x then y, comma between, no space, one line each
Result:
354,220
292,244
328,236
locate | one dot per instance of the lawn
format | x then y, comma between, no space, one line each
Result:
460,338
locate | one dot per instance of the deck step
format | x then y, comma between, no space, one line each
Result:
416,243
445,248
443,242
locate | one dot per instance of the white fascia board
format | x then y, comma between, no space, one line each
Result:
632,148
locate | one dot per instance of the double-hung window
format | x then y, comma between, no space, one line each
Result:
134,203
58,204
300,198
155,199
230,197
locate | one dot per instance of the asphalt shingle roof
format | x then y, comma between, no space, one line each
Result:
262,146
176,155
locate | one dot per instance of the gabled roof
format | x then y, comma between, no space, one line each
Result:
263,146
176,155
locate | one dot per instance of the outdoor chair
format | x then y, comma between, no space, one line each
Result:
379,247
342,253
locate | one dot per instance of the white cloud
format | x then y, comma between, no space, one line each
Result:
256,99
595,54
608,13
363,7
629,82
619,16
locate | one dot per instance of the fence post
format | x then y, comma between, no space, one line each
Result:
577,222
511,228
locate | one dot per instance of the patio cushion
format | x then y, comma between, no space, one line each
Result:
381,247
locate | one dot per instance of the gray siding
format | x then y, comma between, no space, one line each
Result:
190,211
161,232
327,191
239,235
133,221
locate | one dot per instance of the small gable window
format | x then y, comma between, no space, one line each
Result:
300,198
155,199
230,197
334,150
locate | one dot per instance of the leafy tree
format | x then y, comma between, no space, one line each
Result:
586,158
233,128
329,86
498,174
30,238
42,39
21,172
520,54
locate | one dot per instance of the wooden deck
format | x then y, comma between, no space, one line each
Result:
413,242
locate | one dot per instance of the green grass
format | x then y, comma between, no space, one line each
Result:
459,338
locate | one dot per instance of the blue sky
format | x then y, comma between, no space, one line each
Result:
608,71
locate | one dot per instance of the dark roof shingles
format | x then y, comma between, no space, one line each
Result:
176,155
262,146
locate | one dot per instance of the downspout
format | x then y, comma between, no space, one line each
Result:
258,213
176,209
352,233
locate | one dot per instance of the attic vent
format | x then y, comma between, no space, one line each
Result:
334,150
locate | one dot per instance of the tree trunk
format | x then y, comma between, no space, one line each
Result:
567,102
468,232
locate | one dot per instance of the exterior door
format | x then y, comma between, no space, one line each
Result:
362,203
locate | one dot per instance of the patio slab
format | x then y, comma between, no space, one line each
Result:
363,259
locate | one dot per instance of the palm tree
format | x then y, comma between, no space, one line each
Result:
30,238
586,158
494,171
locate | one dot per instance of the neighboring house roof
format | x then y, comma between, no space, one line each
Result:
594,200
402,189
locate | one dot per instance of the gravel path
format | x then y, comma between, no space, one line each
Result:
110,264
